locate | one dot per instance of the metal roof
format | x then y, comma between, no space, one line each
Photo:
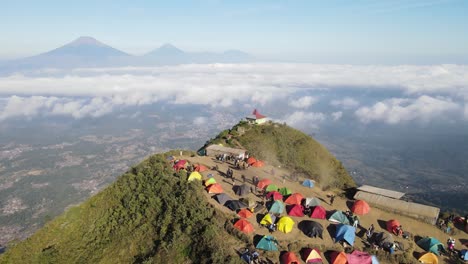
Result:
419,211
226,149
380,191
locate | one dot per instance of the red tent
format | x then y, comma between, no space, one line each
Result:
180,165
338,258
200,168
296,210
295,198
263,183
215,188
319,212
289,258
276,195
251,160
360,207
244,226
392,226
245,213
359,257
258,164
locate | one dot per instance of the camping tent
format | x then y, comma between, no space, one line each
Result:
251,161
464,254
210,181
241,190
249,202
285,191
311,228
311,201
285,224
308,183
359,257
235,205
195,176
244,226
215,188
258,164
277,207
289,258
338,258
180,165
263,183
345,233
296,210
245,213
431,244
310,255
275,195
319,212
271,187
392,225
295,198
384,240
222,198
339,217
200,168
428,258
268,219
267,243
360,207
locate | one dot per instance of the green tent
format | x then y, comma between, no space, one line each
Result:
431,244
339,217
277,207
268,243
285,191
271,188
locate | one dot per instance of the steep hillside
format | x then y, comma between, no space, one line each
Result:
150,214
281,145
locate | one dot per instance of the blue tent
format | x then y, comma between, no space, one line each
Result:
346,233
464,254
339,217
277,207
308,183
267,243
431,244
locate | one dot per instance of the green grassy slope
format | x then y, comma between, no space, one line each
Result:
149,215
280,144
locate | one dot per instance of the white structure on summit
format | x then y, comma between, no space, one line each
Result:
256,118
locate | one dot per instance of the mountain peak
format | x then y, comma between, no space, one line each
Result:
86,40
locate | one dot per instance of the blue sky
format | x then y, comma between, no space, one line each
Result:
357,31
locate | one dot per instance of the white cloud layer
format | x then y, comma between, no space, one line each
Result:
345,103
303,102
302,119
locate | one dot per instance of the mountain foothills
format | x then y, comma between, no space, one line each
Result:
152,213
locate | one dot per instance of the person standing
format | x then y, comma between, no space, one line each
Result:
355,221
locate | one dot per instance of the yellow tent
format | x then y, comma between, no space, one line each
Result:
210,181
195,176
268,219
285,224
429,258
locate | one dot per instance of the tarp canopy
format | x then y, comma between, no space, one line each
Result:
339,217
285,224
295,198
319,212
200,168
431,244
289,258
311,201
285,191
360,207
296,210
383,239
263,183
428,258
245,213
271,187
215,188
277,207
235,205
210,181
345,233
311,228
267,243
338,258
241,190
308,183
222,198
195,176
275,195
359,257
392,225
310,255
244,226
268,219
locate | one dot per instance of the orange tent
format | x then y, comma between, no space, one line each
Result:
215,188
263,183
295,198
258,164
251,160
338,258
245,213
289,258
392,226
200,168
244,226
360,207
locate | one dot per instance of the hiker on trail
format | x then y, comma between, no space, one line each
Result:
355,221
370,231
332,199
